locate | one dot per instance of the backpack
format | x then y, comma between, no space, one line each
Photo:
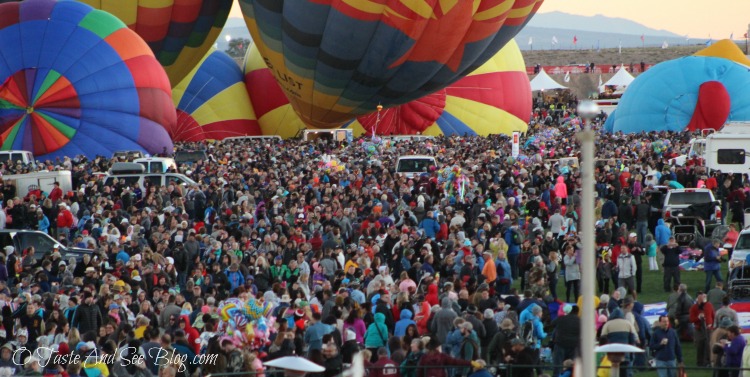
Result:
517,236
527,333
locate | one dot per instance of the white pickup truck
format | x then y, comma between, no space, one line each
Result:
698,202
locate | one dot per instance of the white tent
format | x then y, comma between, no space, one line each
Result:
621,79
542,81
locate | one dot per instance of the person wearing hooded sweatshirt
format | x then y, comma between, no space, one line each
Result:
533,313
403,323
423,317
376,336
191,333
443,321
432,294
662,233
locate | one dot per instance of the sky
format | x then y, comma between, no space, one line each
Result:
695,18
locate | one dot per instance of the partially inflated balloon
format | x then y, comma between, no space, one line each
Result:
338,59
496,98
180,32
212,102
275,114
75,80
702,91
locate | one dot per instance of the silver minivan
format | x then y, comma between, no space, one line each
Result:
158,179
414,165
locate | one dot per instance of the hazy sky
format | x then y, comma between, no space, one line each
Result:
696,18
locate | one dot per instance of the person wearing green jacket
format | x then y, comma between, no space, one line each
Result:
376,335
280,272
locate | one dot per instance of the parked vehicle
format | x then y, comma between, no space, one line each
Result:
413,166
157,164
190,157
741,250
43,180
14,156
693,203
127,155
42,242
150,179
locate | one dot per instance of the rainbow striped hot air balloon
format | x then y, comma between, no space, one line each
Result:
75,80
212,102
180,32
336,60
496,98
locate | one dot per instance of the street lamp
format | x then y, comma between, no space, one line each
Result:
295,366
587,110
228,38
616,355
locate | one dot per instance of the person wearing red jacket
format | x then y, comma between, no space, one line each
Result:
702,318
384,367
56,193
64,220
190,332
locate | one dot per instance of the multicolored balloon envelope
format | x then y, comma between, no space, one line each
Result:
275,114
496,98
179,32
336,59
75,80
697,92
212,102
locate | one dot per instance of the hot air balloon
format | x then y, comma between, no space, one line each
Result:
212,102
75,80
179,32
336,60
702,91
496,98
275,114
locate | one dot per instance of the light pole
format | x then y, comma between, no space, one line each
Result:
587,110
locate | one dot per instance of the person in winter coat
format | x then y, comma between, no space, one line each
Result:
87,317
443,321
376,336
662,233
627,268
432,294
561,189
653,265
533,313
42,221
504,274
712,262
191,333
666,347
434,357
423,317
618,330
572,273
235,277
490,330
403,323
429,225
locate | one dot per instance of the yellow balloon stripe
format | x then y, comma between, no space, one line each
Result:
282,121
508,59
483,119
155,3
367,6
495,11
226,105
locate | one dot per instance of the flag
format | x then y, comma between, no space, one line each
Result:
619,47
643,38
531,41
731,36
600,80
575,39
598,49
554,40
567,76
664,45
745,35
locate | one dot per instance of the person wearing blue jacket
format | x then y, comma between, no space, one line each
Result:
403,323
235,277
513,252
504,274
42,221
430,226
711,262
376,335
533,313
662,233
666,348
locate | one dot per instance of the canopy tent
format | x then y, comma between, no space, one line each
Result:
620,80
542,81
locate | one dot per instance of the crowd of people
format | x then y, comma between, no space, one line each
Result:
411,272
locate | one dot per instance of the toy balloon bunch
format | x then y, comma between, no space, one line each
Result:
246,323
453,181
660,146
331,164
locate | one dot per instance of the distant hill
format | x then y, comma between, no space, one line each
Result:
597,24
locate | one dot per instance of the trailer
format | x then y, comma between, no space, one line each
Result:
43,180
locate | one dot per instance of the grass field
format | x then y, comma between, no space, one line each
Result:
652,292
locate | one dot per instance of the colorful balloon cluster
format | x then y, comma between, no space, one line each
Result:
453,181
661,146
331,164
246,323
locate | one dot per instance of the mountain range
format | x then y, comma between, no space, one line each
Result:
590,32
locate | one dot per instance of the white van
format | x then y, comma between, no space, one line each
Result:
157,164
413,166
13,156
158,179
339,134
